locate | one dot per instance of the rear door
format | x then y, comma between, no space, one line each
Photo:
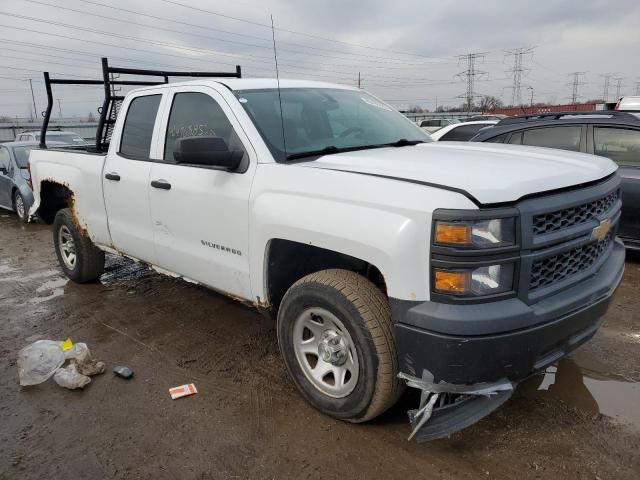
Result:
6,184
201,214
622,145
126,177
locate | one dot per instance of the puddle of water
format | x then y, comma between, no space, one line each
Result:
590,391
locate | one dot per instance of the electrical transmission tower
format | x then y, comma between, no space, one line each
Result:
516,72
605,90
470,74
576,84
618,86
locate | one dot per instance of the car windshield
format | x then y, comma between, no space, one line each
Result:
325,120
21,155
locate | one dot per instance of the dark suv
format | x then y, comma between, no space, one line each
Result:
611,134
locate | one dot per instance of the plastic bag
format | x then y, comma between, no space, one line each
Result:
70,378
81,356
39,361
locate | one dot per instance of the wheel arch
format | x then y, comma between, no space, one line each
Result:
287,261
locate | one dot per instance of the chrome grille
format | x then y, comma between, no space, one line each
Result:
556,268
568,217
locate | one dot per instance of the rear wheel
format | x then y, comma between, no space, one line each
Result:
334,332
80,259
19,206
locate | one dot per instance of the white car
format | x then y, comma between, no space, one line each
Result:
436,124
388,260
461,132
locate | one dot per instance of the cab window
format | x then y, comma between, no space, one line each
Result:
195,114
622,145
138,127
564,138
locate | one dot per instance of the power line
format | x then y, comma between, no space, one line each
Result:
605,89
471,73
618,86
516,72
576,84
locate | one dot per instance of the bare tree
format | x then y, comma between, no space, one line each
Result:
91,118
489,102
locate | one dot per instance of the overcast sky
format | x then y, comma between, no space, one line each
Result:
405,51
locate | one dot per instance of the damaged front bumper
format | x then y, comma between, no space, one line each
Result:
480,350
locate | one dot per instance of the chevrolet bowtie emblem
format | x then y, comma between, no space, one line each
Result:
601,230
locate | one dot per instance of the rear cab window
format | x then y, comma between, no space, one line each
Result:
137,131
561,137
622,145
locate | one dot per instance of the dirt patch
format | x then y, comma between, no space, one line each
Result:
248,421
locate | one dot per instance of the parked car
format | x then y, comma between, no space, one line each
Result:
461,132
15,187
68,138
437,123
388,260
477,118
630,104
611,134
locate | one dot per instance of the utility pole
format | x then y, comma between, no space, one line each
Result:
605,90
638,87
531,98
35,110
359,81
618,86
60,109
516,71
576,84
470,73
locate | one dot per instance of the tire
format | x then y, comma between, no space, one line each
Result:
345,308
20,207
79,258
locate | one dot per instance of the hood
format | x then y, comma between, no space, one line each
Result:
487,172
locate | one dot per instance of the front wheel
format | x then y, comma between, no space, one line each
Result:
334,332
80,259
20,207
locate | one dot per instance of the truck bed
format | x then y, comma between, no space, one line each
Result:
61,169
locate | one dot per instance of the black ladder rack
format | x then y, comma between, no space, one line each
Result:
112,102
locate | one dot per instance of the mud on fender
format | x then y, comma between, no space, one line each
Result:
446,409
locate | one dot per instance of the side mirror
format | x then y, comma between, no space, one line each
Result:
210,151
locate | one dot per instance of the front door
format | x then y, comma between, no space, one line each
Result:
200,214
126,179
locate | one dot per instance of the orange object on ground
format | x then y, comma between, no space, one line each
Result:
182,391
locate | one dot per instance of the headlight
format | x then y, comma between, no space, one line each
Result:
480,281
499,232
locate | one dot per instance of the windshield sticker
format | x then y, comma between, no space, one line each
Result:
373,103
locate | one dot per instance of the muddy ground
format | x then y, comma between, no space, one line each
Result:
582,421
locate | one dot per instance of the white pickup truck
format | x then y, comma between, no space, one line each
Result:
389,260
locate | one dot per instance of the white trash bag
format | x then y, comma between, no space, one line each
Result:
70,378
39,361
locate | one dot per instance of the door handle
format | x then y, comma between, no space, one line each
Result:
162,184
112,176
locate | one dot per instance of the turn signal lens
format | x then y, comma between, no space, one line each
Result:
452,282
453,233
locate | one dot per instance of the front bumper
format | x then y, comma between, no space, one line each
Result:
506,340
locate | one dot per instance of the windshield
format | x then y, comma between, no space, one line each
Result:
325,118
22,156
68,138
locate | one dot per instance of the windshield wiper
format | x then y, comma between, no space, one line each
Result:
403,142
